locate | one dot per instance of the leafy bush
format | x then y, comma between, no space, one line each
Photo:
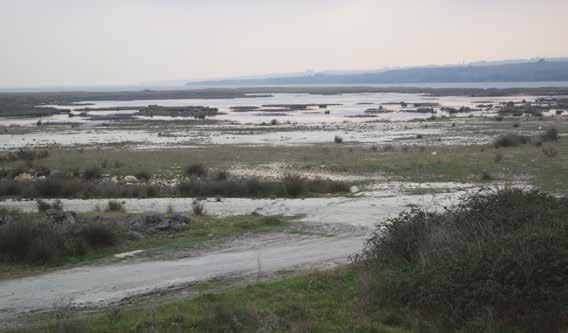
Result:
550,151
550,134
99,235
143,175
114,206
196,170
511,140
289,186
294,185
197,208
497,261
63,187
221,175
43,206
92,173
31,240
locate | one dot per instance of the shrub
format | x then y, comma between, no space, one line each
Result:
143,175
550,134
550,151
338,139
510,140
196,170
30,240
294,185
114,206
43,206
499,157
486,176
197,208
63,187
99,235
498,260
92,173
221,175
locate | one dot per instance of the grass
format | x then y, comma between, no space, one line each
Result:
317,302
464,164
452,162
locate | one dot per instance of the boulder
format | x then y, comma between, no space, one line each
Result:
24,178
134,236
180,218
130,179
56,173
154,222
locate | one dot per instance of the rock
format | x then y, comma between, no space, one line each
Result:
56,173
152,218
180,218
114,180
134,236
354,189
164,225
154,222
130,179
24,178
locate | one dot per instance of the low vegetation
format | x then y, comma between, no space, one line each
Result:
34,242
32,239
317,302
289,186
511,140
495,263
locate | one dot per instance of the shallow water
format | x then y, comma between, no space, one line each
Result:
297,127
350,105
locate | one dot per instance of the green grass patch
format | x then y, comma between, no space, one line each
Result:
317,302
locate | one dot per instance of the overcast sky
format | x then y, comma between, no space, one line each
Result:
87,42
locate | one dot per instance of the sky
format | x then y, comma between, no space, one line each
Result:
107,42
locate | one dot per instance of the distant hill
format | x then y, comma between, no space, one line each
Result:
506,71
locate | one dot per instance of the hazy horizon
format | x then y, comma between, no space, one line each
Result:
105,42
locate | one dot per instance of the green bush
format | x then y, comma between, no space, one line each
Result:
495,262
289,186
30,240
64,187
99,235
294,185
92,173
550,134
143,175
43,206
511,140
114,206
196,170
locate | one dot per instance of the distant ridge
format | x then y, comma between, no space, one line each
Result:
538,70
